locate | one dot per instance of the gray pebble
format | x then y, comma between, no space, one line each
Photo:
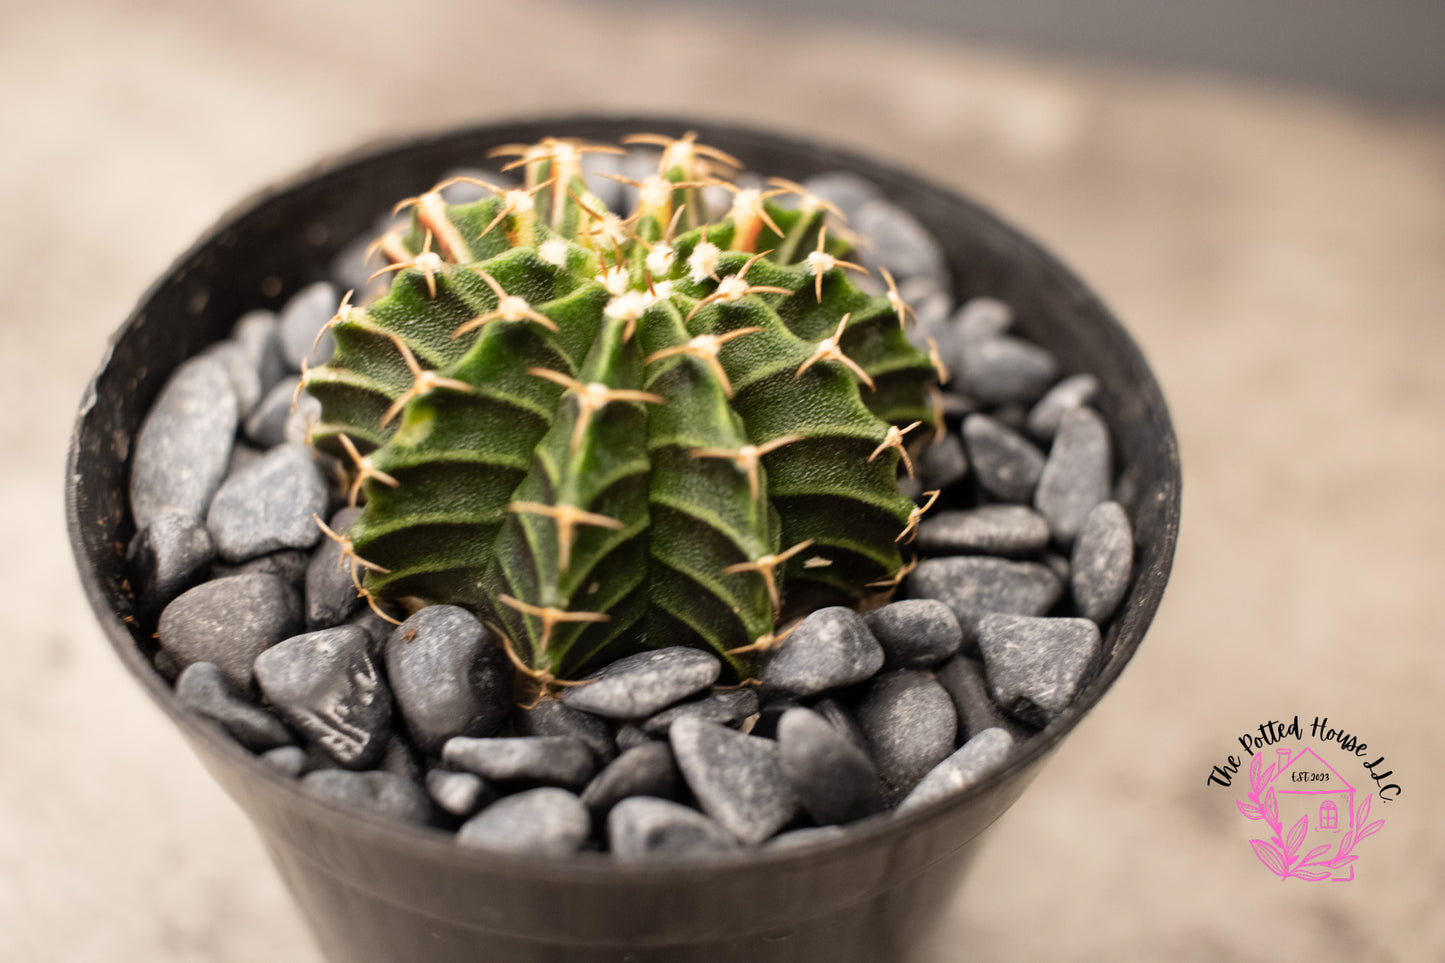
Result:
608,191
229,621
736,778
552,718
269,506
460,794
241,370
1058,565
1077,475
402,758
184,444
382,794
944,463
642,828
1007,530
835,782
538,822
981,319
910,725
846,190
449,678
1005,370
378,630
643,771
287,760
202,687
637,686
553,760
829,649
1103,560
1035,666
331,594
809,836
243,456
289,564
266,425
728,707
327,687
303,315
899,242
975,585
963,679
915,633
630,737
302,418
259,335
1068,394
974,760
841,719
168,556
1005,463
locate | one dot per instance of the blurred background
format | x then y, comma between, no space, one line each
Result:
1258,189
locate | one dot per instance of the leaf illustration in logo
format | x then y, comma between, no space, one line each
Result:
1267,853
1372,829
1317,852
1247,810
1271,807
1256,771
1296,835
1314,873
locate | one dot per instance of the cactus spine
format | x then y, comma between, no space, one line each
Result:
604,433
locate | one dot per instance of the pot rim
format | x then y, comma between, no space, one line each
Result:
439,844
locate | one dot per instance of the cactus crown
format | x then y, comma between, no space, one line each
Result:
603,433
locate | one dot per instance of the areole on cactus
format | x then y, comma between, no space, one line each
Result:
605,433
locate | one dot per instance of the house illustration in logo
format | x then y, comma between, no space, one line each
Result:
1309,786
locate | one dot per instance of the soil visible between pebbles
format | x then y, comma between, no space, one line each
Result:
1023,562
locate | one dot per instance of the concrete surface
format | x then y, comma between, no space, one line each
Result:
1279,257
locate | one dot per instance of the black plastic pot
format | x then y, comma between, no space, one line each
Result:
375,891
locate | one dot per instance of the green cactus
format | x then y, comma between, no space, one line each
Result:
603,434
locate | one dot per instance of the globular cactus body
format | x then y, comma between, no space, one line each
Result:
604,434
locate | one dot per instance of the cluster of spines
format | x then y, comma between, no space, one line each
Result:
597,430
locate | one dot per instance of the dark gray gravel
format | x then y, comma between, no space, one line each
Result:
977,758
915,633
1006,530
944,463
975,585
303,315
326,686
1004,370
982,318
552,718
1077,475
269,506
383,794
554,760
184,444
289,564
1006,464
736,778
910,725
809,836
331,594
538,822
630,737
728,707
1035,666
846,190
259,335
899,242
287,760
842,719
963,679
1102,562
229,621
459,794
448,677
241,370
168,556
265,426
1068,394
640,685
203,689
829,649
647,770
643,828
835,782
